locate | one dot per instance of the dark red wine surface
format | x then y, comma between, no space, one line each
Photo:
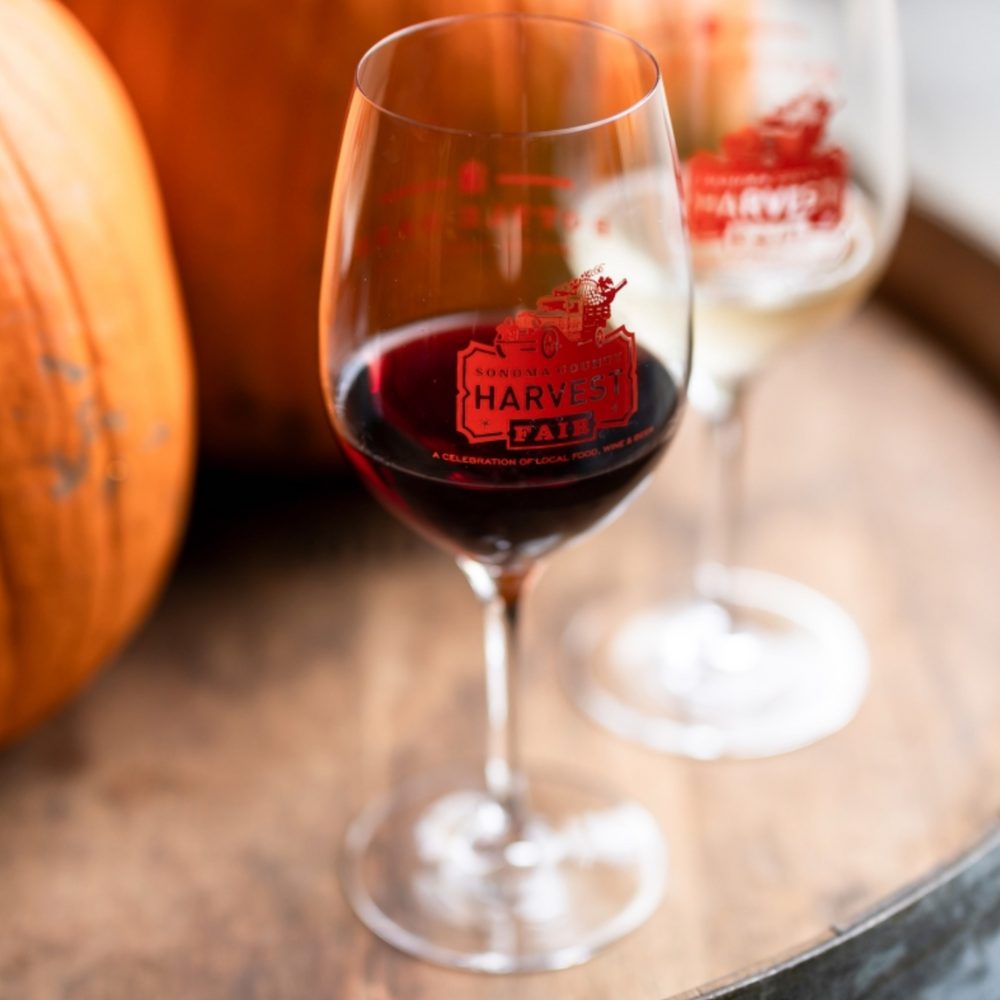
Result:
395,412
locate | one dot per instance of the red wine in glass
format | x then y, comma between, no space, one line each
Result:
396,415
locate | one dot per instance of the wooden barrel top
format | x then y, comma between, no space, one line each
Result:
173,833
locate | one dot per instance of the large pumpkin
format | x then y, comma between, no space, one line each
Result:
243,102
95,395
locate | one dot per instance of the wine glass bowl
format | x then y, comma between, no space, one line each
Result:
489,392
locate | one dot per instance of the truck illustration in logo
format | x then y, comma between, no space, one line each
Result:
554,375
577,311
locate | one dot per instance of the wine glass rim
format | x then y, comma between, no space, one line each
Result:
523,16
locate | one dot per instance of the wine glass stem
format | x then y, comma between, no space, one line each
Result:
504,777
501,593
721,511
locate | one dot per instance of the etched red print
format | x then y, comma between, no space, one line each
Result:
472,177
777,171
554,375
534,180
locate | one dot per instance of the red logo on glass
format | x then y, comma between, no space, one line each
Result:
554,375
776,172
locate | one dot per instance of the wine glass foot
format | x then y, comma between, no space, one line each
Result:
434,869
774,667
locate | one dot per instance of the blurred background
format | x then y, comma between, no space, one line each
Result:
308,650
952,82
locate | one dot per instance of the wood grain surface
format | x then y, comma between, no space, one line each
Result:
173,834
938,939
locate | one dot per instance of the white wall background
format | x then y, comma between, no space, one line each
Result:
952,54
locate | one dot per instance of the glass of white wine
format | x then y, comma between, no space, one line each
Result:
788,115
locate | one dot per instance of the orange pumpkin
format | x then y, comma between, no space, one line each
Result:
243,102
95,425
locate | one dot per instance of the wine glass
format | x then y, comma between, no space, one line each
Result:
789,121
489,394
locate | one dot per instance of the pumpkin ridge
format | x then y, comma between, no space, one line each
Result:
66,272
95,358
48,347
48,352
8,581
